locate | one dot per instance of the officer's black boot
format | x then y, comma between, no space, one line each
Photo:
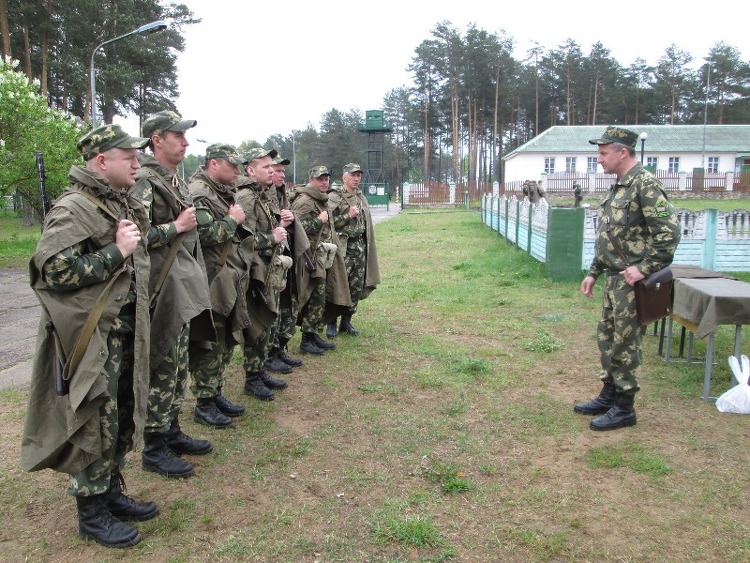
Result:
284,357
309,346
207,412
255,387
157,457
346,325
226,406
180,443
621,414
600,404
320,343
272,383
95,522
125,508
274,363
331,329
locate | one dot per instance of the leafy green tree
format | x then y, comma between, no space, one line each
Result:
28,126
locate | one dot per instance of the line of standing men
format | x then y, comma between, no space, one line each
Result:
147,281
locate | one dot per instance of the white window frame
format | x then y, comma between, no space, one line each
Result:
674,164
712,164
570,163
592,164
549,164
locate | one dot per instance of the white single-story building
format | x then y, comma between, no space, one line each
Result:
718,149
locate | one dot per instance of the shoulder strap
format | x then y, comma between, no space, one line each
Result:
174,247
93,200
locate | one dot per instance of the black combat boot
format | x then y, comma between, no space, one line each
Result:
95,522
284,357
226,406
125,508
621,414
180,443
346,325
600,404
207,412
331,329
309,346
272,383
157,457
274,363
320,343
255,387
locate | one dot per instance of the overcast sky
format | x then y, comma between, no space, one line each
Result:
250,69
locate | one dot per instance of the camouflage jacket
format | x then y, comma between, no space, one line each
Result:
227,252
183,296
75,260
638,216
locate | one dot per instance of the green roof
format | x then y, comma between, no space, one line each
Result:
660,138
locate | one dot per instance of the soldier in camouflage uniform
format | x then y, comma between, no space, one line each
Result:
353,223
227,251
637,235
181,298
288,302
268,224
324,282
90,272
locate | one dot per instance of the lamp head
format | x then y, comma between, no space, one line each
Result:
152,27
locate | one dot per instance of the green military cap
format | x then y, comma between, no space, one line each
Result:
351,168
259,152
105,137
158,123
616,135
318,171
281,160
225,151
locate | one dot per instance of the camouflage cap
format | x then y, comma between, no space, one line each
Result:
225,151
351,168
617,135
259,152
281,160
158,123
318,171
105,137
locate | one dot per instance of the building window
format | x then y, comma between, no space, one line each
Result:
591,164
570,164
549,165
674,164
713,164
652,162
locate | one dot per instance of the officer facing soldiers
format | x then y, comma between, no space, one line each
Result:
227,251
178,292
270,262
310,206
353,224
90,272
637,235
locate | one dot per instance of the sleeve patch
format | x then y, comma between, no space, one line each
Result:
661,209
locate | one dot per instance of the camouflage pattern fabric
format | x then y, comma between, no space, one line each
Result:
208,368
166,392
115,416
107,137
311,316
356,264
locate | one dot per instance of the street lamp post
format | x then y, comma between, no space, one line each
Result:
151,27
643,136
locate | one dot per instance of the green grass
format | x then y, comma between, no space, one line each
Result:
17,243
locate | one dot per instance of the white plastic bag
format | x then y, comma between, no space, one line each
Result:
737,399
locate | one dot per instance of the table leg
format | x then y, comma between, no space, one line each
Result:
737,344
668,353
709,367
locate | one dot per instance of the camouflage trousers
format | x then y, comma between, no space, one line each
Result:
356,265
287,321
208,369
166,390
255,352
116,419
311,316
619,335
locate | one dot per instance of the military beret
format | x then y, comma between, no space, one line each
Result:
318,171
158,123
616,135
105,137
225,151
